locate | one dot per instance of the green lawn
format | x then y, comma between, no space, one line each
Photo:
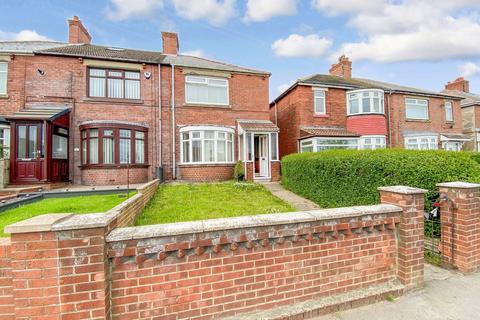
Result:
83,204
187,202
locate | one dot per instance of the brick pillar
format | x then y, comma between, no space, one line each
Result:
58,274
410,256
460,220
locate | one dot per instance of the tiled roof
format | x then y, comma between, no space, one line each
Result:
468,98
321,131
41,112
454,137
131,55
258,125
27,46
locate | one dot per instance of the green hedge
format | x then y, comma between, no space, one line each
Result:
337,178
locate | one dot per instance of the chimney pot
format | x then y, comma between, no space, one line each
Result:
459,84
343,68
77,33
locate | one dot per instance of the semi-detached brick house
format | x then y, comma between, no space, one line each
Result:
96,115
337,111
470,111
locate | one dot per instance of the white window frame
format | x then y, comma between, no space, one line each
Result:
363,145
371,95
4,74
5,141
414,102
316,143
201,130
458,145
448,111
432,142
323,97
206,82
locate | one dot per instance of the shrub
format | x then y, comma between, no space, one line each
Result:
239,171
337,178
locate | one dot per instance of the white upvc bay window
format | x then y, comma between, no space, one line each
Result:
206,145
365,102
416,109
206,90
324,143
372,142
421,143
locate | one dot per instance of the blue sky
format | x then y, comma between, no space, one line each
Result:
410,42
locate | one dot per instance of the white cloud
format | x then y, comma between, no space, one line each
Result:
414,30
469,69
216,12
196,53
336,7
263,10
124,9
24,35
302,46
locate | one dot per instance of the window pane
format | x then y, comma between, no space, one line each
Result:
93,132
185,136
209,134
125,133
125,150
93,150
366,104
218,82
97,87
416,109
273,147
196,151
32,142
97,72
206,90
217,95
249,146
186,151
3,77
107,132
139,151
376,105
132,89
115,88
221,151
22,142
132,75
116,74
209,155
60,147
108,151
448,111
84,151
197,93
229,151
353,104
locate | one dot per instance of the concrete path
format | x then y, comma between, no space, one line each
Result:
300,203
447,295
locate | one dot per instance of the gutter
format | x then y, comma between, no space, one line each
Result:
159,152
389,120
173,124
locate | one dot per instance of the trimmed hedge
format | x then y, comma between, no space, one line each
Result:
338,178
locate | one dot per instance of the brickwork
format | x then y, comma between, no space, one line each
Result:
206,172
368,124
276,172
460,225
7,309
113,176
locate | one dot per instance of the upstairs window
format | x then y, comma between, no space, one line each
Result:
3,77
319,102
115,84
365,102
448,111
206,90
416,109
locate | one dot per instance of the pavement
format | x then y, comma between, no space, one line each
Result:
300,203
448,295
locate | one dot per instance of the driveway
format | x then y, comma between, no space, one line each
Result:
447,295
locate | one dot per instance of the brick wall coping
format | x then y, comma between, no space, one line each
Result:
458,184
184,228
402,190
59,222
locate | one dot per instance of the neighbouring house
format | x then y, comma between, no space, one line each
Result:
96,115
470,111
336,111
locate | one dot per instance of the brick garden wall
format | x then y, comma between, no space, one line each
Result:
214,172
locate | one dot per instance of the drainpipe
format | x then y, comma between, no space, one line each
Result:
173,124
276,113
159,150
389,119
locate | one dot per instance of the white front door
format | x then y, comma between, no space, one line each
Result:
263,155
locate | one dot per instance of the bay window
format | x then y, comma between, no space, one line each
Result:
416,109
319,102
3,77
324,143
113,146
206,145
421,143
206,90
115,84
372,142
365,102
448,111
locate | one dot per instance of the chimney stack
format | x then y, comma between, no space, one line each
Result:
459,84
170,43
77,33
343,68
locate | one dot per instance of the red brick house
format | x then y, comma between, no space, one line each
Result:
470,111
98,115
336,111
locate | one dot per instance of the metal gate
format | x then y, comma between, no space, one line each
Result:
433,231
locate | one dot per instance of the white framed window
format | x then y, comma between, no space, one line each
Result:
319,102
365,102
274,146
324,143
3,77
206,90
448,111
206,145
372,142
4,142
421,143
416,109
452,146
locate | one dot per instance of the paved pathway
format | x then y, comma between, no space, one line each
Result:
298,202
447,295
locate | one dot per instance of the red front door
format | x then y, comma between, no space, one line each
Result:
29,155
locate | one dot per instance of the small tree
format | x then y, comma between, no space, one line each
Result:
239,171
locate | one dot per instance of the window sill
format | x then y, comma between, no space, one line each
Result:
112,166
3,96
321,115
366,114
124,101
418,120
200,105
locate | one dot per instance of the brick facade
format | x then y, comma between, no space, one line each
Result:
117,176
205,172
